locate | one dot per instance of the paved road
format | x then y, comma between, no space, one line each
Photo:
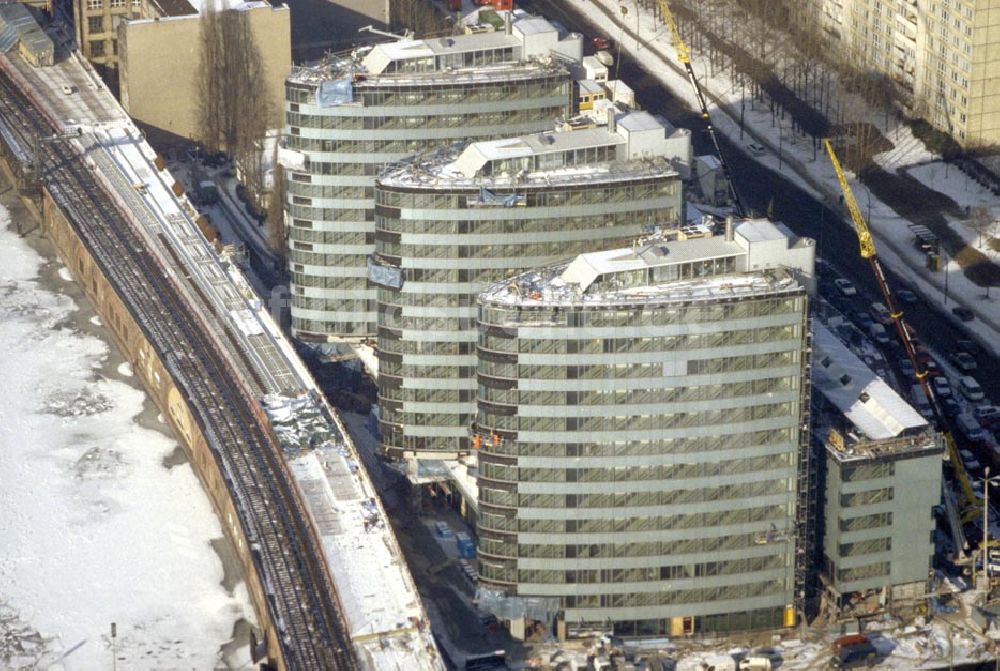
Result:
804,214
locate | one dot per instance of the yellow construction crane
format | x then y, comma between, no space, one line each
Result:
684,56
971,508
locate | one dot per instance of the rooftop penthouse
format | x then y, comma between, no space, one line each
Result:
754,256
494,38
632,144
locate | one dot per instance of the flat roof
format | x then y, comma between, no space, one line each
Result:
862,397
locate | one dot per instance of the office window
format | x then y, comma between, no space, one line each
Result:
117,4
95,24
94,4
97,48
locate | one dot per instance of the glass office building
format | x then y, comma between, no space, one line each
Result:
449,223
643,437
347,117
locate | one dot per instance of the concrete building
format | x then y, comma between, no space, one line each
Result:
449,223
943,57
96,25
882,477
643,432
348,117
160,63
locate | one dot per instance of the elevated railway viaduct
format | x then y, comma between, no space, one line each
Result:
197,382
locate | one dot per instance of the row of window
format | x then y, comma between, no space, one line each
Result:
622,371
620,524
586,193
323,327
617,576
489,341
619,397
534,85
649,315
627,474
643,219
876,570
486,122
621,448
733,492
555,249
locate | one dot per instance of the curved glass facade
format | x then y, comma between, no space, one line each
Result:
330,209
442,246
639,458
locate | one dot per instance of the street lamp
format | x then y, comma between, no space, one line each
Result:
986,526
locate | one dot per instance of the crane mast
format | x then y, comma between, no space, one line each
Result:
684,56
868,251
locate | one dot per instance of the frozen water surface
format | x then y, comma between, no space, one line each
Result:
94,527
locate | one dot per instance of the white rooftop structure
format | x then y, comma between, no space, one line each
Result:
499,37
755,256
862,396
551,155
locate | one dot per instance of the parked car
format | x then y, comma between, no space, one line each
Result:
920,402
963,361
950,407
845,286
862,319
906,296
942,388
878,333
969,346
965,314
987,415
756,149
969,427
906,368
969,459
880,313
970,388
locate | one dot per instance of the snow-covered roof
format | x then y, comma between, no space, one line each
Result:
637,121
862,396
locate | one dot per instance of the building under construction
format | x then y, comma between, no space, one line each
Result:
643,425
881,472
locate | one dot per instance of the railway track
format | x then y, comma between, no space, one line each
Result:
288,557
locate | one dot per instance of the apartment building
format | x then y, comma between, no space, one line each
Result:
96,24
450,222
943,56
159,71
643,436
348,117
882,478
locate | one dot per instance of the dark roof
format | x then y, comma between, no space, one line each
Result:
174,7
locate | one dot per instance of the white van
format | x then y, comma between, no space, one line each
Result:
969,427
970,388
880,313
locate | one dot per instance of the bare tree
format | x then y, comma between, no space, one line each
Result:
276,239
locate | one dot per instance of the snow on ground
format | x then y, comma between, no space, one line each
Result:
793,155
94,528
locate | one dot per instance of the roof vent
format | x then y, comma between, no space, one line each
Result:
864,397
845,379
826,361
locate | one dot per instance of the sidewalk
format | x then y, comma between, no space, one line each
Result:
792,155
